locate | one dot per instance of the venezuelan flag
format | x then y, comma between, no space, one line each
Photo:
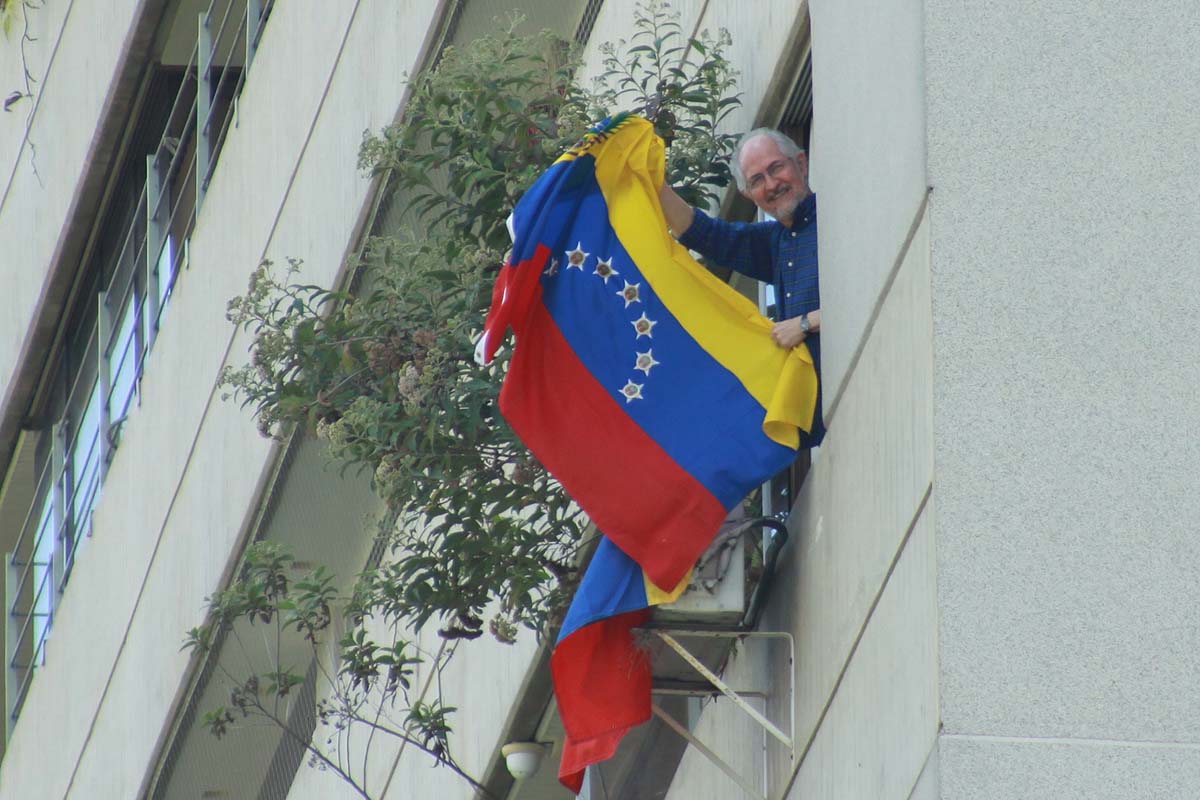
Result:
650,389
602,679
646,385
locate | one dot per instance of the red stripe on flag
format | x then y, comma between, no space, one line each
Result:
638,496
514,290
602,681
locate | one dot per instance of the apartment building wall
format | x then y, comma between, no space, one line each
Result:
183,485
1062,150
857,586
483,679
48,143
996,537
1053,641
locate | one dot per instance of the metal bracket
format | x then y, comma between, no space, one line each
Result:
788,739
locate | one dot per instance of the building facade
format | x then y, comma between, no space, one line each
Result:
992,561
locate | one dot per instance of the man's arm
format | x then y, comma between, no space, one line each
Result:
678,213
740,246
680,217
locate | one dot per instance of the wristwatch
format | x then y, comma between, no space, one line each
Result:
805,325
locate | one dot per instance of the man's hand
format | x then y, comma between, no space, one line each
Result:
789,333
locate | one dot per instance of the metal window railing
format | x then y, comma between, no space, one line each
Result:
583,32
104,387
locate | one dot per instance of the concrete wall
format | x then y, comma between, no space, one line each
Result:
868,160
758,41
45,25
998,534
74,63
181,486
1063,155
481,680
857,588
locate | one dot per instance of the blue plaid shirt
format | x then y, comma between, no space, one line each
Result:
767,251
773,253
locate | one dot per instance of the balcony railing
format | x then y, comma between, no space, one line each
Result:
104,385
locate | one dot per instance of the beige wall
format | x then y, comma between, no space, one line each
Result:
181,487
857,587
481,680
75,62
45,26
857,584
1062,150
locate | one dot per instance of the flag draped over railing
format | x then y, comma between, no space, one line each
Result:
649,388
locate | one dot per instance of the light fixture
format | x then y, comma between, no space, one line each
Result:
522,758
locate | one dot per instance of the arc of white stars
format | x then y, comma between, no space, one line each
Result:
644,326
604,269
576,257
632,391
631,293
645,361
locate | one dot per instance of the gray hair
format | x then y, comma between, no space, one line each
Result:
786,146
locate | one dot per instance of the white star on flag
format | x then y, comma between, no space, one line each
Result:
630,293
632,391
605,269
576,257
645,361
644,326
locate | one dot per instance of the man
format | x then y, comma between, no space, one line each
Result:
772,171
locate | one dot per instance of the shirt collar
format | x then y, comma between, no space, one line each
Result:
806,212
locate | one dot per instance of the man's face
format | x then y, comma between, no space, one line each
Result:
776,183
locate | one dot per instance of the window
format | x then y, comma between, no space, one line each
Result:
137,250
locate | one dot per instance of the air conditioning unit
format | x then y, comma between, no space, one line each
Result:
717,593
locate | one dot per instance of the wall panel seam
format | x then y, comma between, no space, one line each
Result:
1075,741
862,629
929,762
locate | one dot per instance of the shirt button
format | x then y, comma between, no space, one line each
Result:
789,263
789,294
793,234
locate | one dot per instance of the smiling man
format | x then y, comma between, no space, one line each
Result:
772,171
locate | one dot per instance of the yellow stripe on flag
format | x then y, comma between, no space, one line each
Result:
657,597
630,168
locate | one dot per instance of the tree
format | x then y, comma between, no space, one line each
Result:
477,532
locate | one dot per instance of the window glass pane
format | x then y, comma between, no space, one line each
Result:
122,364
42,577
166,274
84,461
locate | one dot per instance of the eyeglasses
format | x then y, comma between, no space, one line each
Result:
775,170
